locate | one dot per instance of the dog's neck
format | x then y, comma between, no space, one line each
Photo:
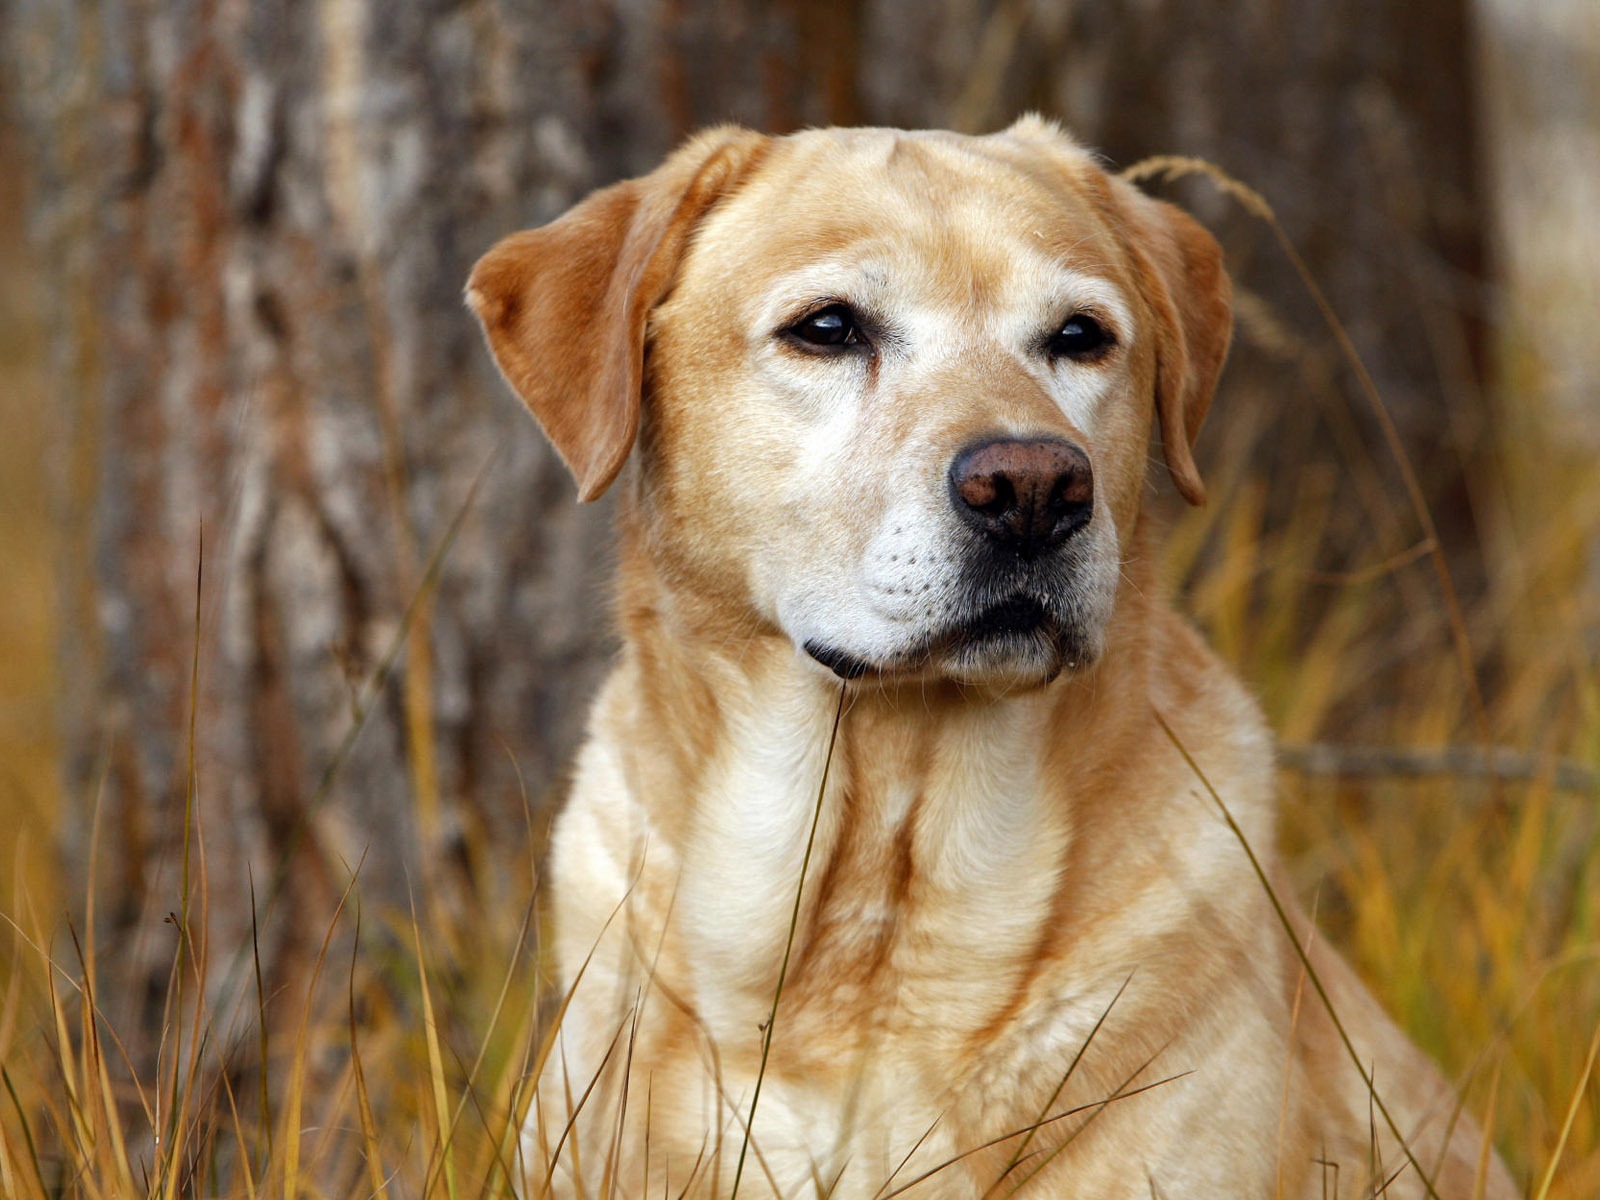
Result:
943,806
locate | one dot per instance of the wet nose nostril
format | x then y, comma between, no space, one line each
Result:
1025,495
989,493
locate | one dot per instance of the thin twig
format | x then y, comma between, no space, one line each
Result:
1377,570
1409,762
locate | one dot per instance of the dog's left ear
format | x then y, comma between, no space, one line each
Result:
564,306
1184,279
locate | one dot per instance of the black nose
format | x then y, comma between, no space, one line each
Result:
1027,496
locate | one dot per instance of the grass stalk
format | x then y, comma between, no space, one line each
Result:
1300,952
788,947
1572,1115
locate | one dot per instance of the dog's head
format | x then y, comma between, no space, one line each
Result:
897,388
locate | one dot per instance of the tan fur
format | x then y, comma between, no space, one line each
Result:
1009,850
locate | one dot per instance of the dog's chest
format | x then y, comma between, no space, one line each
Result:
933,863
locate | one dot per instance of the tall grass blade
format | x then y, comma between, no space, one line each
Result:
469,1086
1094,1108
1572,1115
430,1027
608,1180
95,1063
575,1109
909,1155
297,1066
1288,1070
1300,951
1044,1109
1480,1181
239,1138
788,947
369,1127
27,1130
263,1028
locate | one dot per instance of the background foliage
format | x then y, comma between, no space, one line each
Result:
284,826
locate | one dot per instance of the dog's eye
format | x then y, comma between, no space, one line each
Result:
828,328
1082,337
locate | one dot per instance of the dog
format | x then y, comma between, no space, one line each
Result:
916,844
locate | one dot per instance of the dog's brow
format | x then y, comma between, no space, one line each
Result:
831,273
856,281
1064,290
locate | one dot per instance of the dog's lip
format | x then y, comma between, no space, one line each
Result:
842,663
1016,617
1019,614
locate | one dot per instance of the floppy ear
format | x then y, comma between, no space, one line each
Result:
564,306
1181,268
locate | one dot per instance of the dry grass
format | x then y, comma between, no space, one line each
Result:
1472,907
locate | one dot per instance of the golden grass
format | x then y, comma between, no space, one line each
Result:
1473,908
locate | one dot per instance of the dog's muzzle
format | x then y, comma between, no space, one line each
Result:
1025,602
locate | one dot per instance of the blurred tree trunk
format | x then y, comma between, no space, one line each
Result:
254,220
253,223
1541,82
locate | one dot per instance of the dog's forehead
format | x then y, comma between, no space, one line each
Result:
917,197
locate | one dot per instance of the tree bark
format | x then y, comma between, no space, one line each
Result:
253,221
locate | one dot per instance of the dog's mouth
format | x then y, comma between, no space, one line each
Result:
1019,627
1017,616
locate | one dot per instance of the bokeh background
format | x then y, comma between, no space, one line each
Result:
296,606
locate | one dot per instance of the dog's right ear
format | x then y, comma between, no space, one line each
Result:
564,306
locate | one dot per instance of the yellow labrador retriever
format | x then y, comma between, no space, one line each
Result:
892,861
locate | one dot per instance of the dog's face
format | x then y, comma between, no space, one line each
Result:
899,386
